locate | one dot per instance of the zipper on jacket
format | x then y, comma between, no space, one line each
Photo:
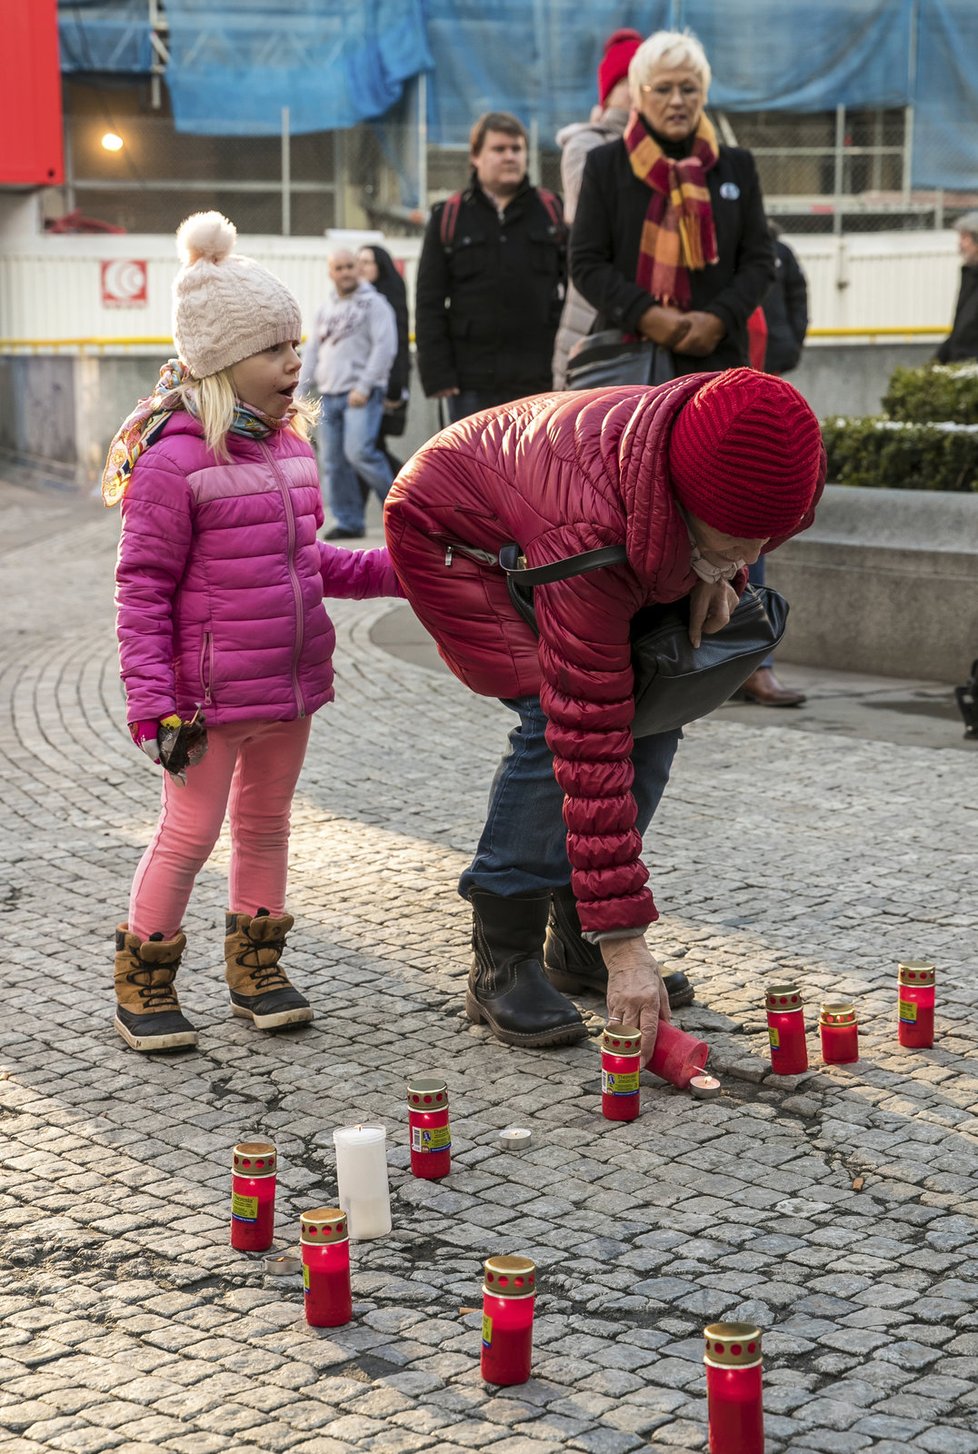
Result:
293,575
206,665
471,552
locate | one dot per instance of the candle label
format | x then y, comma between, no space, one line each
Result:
244,1209
908,1012
619,1082
305,1277
433,1138
486,1331
775,1038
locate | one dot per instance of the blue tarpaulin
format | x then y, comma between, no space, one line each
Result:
945,134
105,35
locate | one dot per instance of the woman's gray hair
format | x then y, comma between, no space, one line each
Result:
968,222
668,50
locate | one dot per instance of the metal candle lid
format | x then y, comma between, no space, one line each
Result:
916,971
427,1093
510,1276
732,1345
784,997
838,1012
621,1039
323,1225
254,1158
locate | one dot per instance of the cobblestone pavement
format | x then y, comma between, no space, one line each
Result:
837,1210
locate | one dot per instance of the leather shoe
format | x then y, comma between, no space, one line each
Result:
338,533
763,688
507,986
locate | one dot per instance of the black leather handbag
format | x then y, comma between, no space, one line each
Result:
675,682
604,360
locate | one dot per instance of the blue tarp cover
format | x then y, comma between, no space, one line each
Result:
104,35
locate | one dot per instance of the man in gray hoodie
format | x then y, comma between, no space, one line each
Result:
347,360
607,123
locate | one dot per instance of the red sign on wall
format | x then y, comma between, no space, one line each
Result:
124,283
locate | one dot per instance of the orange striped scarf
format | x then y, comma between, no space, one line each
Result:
678,232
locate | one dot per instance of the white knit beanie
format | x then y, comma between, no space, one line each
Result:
225,307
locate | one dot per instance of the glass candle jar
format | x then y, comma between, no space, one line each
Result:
253,1196
508,1295
326,1267
677,1057
733,1388
916,1003
786,1030
621,1061
431,1134
839,1033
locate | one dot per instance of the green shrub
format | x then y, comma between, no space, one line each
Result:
934,393
890,454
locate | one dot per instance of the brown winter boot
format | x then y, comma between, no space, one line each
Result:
148,1014
260,990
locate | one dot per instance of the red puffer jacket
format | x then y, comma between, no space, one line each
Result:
559,474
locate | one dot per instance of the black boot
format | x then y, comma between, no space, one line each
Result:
574,964
507,986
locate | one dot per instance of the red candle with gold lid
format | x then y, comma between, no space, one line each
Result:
916,1003
733,1388
253,1166
839,1033
431,1134
621,1061
326,1267
508,1296
786,1030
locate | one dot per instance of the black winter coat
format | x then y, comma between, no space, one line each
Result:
604,249
786,312
488,305
962,342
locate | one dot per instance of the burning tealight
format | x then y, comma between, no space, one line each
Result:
704,1087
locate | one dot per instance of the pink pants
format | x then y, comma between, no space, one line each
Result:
249,771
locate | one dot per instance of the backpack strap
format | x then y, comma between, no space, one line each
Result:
553,209
449,219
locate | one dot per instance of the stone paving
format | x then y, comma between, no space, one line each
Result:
838,1210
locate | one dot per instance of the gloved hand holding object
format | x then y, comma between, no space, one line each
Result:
174,743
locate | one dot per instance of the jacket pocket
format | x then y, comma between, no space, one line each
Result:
206,666
468,258
544,254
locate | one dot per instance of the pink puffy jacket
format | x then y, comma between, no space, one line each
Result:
220,580
559,474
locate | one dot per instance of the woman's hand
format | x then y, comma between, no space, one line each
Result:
636,994
703,335
665,326
710,606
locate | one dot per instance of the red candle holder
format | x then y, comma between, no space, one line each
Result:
677,1057
253,1196
431,1134
508,1295
839,1033
916,1003
621,1061
786,1030
733,1388
326,1267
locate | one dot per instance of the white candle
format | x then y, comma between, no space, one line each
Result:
361,1179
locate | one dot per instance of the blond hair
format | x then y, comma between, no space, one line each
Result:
668,50
212,400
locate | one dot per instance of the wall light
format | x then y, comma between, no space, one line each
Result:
112,142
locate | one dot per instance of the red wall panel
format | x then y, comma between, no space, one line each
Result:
31,152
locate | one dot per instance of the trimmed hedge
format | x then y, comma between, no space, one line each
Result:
886,453
932,394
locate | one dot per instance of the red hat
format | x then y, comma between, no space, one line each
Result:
745,454
613,67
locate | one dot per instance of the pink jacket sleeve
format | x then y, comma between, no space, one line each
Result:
357,574
153,550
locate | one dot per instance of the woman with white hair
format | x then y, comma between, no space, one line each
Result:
962,342
669,240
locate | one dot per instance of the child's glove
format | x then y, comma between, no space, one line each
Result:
146,735
182,744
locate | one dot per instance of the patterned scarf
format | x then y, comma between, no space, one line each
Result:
146,422
678,232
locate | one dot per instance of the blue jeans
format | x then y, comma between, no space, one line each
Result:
755,575
348,448
523,847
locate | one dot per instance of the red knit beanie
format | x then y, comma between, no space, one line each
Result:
744,454
618,51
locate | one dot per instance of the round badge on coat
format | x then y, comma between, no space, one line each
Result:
729,191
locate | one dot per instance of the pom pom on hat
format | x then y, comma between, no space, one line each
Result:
745,455
613,66
225,307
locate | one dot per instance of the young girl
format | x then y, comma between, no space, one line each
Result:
219,587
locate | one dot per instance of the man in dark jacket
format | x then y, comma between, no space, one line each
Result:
962,342
785,309
490,279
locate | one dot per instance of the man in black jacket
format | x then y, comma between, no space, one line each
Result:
491,279
962,342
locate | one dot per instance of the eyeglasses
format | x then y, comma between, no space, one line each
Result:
662,91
